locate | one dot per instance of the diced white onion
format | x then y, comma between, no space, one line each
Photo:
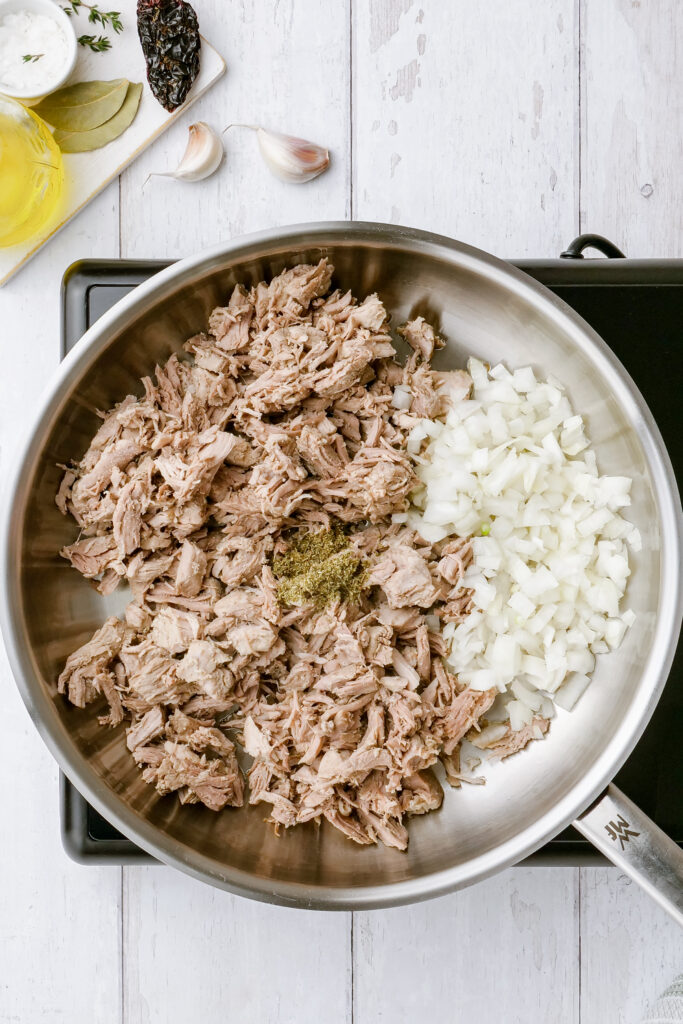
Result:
488,735
570,691
520,715
511,467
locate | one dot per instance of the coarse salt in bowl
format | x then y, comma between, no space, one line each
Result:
36,29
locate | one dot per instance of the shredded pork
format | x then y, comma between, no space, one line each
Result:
279,420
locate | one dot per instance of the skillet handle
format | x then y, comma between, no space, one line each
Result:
620,830
574,250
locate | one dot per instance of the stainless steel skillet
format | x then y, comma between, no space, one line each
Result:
484,307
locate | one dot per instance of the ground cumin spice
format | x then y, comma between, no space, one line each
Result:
319,568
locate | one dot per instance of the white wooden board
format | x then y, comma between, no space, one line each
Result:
289,71
505,950
631,950
632,124
86,174
466,120
543,946
60,925
258,964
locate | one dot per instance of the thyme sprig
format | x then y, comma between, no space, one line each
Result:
97,45
96,16
32,57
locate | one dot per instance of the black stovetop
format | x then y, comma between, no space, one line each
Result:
637,307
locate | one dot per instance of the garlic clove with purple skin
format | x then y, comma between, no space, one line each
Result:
288,157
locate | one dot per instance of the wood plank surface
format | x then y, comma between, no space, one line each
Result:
288,70
631,191
466,120
631,950
88,173
501,124
197,954
632,118
505,950
60,924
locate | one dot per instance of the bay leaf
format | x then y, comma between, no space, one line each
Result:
83,106
84,142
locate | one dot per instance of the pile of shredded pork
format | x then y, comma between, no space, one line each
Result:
290,415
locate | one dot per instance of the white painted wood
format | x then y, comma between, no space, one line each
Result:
632,124
201,952
631,950
438,146
631,191
30,313
88,173
476,148
60,924
288,69
506,950
465,120
197,954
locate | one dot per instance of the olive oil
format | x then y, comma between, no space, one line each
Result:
31,173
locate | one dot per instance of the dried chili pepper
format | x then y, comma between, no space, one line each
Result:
169,36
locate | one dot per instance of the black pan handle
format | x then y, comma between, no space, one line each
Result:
574,250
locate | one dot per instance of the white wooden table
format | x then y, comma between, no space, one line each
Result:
510,124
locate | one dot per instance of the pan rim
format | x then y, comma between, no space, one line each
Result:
534,835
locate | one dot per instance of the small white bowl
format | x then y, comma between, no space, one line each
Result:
54,11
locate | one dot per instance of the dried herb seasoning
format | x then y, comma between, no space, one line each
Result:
169,36
319,568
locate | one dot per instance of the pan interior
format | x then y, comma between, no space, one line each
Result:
482,310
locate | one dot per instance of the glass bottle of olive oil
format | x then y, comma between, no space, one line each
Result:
31,173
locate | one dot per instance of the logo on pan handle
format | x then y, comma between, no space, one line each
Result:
621,830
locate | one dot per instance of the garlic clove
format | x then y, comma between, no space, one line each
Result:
290,158
202,156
